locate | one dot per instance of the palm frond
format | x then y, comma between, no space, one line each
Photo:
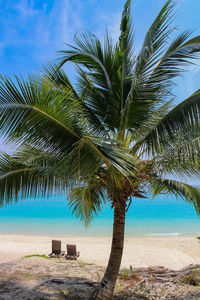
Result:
181,190
139,136
97,103
21,180
88,53
144,94
46,116
106,83
155,40
182,156
102,76
52,73
87,201
59,80
30,109
181,119
125,53
180,53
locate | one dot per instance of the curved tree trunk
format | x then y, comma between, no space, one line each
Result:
105,289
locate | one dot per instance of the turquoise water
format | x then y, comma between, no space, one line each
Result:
164,215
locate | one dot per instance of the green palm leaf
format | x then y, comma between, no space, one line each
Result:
181,119
21,180
185,191
58,78
87,200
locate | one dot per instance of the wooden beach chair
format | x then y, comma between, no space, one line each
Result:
71,252
56,250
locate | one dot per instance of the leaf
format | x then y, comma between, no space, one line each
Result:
182,118
179,189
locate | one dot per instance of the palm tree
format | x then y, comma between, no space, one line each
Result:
112,137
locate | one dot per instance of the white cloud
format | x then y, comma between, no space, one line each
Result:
26,9
39,27
46,28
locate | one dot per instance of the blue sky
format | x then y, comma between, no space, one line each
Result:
33,30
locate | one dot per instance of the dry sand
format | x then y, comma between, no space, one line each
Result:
171,252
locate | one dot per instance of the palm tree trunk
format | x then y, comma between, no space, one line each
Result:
105,289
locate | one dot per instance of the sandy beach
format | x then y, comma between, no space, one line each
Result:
171,252
36,277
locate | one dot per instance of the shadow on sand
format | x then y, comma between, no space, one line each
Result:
52,288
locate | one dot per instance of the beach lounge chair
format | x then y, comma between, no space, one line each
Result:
56,250
71,252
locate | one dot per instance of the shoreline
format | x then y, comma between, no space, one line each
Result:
105,235
170,251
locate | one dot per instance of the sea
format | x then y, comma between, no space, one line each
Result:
165,215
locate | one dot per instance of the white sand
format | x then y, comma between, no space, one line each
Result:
171,252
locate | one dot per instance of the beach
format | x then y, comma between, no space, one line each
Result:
23,276
169,251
